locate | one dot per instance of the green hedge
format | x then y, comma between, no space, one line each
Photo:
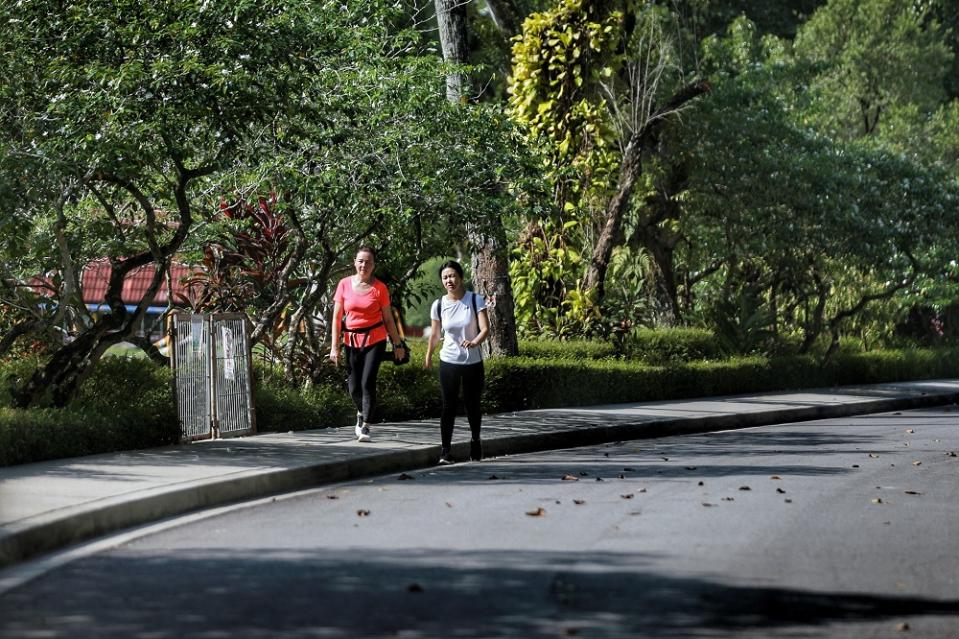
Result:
125,404
525,383
128,404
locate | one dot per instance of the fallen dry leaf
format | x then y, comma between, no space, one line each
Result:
912,492
627,496
599,479
874,455
877,500
708,505
332,497
902,627
449,505
579,502
775,477
622,476
788,501
642,490
855,465
917,463
780,491
951,454
729,499
665,458
492,477
627,469
910,430
568,477
690,468
362,513
539,512
583,474
745,488
405,477
701,484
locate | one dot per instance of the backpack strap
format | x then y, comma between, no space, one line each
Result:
475,314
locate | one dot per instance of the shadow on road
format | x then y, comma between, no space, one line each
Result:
424,593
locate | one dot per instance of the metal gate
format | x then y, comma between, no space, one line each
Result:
213,374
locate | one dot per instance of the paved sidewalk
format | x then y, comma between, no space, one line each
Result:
50,505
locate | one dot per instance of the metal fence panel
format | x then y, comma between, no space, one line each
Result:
233,386
191,367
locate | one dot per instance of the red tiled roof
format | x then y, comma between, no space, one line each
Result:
96,277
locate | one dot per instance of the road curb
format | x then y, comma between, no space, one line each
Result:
46,533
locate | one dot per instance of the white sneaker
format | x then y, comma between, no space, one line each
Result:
363,433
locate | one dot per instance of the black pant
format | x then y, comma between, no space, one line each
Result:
452,377
362,365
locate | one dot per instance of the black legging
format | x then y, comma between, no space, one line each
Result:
452,377
362,365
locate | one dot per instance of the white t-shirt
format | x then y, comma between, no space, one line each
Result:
459,323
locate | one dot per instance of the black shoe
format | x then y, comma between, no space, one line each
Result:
445,457
476,450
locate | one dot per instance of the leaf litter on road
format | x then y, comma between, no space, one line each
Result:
539,512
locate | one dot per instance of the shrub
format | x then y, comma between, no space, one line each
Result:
566,349
672,344
123,405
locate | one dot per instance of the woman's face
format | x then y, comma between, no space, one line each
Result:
451,279
364,264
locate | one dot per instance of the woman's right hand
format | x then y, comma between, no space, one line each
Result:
335,356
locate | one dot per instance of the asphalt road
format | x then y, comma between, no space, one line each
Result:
837,528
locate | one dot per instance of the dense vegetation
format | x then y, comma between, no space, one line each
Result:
779,181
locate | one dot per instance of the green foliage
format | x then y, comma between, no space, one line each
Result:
868,53
125,404
558,64
574,349
547,304
662,345
522,383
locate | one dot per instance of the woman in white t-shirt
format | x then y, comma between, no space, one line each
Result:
461,317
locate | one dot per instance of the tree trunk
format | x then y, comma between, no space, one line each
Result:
631,169
491,280
616,210
490,259
70,364
451,20
505,17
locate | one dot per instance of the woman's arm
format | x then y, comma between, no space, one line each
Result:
392,331
435,328
483,319
335,332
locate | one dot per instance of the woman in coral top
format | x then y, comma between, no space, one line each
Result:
363,317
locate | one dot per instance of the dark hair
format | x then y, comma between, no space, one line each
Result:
453,264
367,249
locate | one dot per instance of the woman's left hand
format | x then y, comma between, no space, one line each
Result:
467,344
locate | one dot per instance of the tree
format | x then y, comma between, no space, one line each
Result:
490,259
594,87
806,233
131,111
874,57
